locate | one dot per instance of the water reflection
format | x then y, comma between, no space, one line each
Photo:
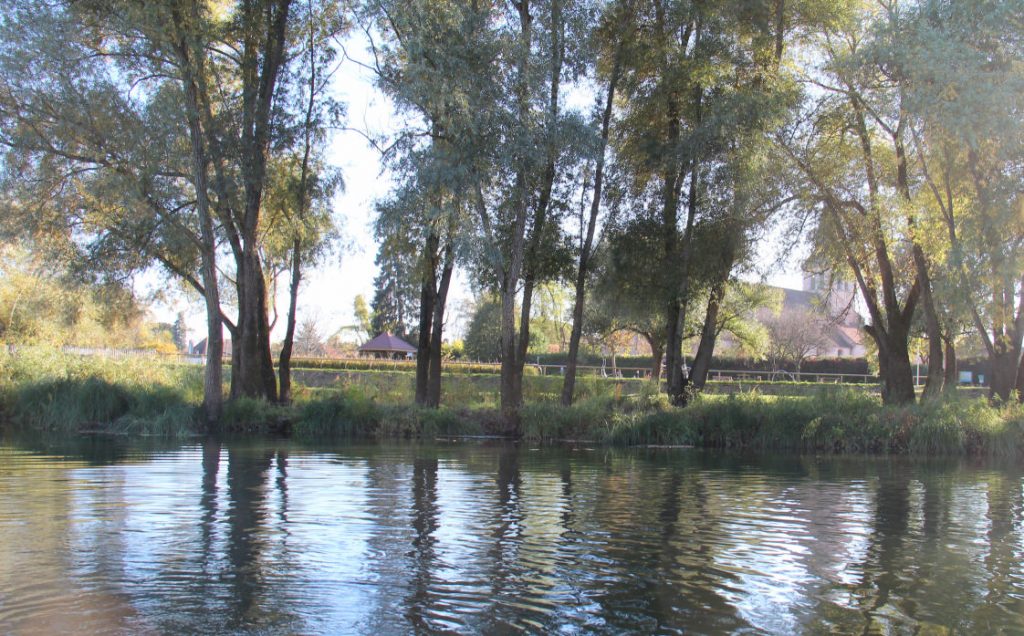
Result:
277,537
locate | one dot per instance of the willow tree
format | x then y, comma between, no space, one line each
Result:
154,125
432,59
959,64
698,91
521,228
608,41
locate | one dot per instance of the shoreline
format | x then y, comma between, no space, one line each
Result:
75,396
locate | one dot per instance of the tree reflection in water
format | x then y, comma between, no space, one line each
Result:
227,537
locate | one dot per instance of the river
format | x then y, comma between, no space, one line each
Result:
277,536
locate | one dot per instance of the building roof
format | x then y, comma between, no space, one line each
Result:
848,336
799,299
387,343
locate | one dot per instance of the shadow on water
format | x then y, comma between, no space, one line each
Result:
272,536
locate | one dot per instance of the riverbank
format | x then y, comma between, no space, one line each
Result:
89,395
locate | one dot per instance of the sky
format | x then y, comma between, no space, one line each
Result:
328,291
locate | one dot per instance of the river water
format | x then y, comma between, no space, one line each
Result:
101,536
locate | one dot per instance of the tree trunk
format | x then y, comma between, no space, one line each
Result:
1003,371
511,382
894,358
673,346
213,390
284,366
657,355
213,396
514,367
511,385
569,383
285,359
428,295
677,376
936,376
933,386
434,384
950,370
708,337
255,366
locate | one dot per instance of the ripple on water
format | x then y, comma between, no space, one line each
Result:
277,538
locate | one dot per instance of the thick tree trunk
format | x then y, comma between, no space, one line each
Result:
423,343
1003,371
673,346
894,364
284,365
511,385
262,61
255,366
213,390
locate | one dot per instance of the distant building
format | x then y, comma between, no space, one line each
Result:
387,345
822,305
199,348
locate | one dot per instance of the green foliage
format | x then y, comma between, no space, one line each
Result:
43,302
44,389
483,336
350,413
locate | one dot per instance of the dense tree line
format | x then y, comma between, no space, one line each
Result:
191,134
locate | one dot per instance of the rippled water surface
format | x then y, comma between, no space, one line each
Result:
280,537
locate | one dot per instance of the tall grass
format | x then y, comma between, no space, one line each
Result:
352,414
49,390
53,391
836,421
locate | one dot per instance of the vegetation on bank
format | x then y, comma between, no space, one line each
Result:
44,389
66,393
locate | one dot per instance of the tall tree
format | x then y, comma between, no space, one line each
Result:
304,185
192,90
610,38
851,177
958,65
702,83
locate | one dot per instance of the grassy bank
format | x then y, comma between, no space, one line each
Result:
48,391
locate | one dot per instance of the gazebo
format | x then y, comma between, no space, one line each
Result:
387,346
